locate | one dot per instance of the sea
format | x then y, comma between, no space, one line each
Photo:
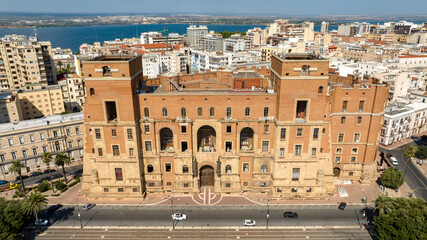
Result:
73,37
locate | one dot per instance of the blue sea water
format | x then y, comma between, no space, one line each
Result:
73,37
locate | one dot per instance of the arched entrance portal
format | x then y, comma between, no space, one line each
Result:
337,172
206,139
207,176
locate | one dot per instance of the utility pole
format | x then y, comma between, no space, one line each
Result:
268,207
78,212
173,221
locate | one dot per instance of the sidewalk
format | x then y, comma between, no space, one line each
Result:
422,168
402,142
11,177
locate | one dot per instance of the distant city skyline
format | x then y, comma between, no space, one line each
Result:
240,7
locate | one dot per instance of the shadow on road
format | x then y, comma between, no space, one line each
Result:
63,214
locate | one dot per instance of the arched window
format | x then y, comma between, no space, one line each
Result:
146,112
212,112
228,169
342,120
320,90
229,112
92,91
359,120
264,168
200,112
165,112
183,113
150,168
185,169
266,112
247,112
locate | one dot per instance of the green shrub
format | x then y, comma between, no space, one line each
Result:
60,185
64,189
55,195
392,178
77,179
43,187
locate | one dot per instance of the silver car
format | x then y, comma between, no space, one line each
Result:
249,222
88,206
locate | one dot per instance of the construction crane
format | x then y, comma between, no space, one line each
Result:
166,32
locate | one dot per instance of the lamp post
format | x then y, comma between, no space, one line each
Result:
173,221
78,211
268,207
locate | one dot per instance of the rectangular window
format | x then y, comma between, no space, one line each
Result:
13,155
146,128
282,151
106,189
344,106
282,133
313,152
130,134
245,184
70,144
298,150
341,137
131,153
337,159
24,153
168,167
350,173
299,132
246,167
10,141
55,133
354,150
228,146
77,130
119,174
32,138
111,111
295,174
353,159
356,137
2,158
21,140
183,129
148,146
264,146
301,112
44,149
316,133
359,120
120,189
116,151
35,153
41,136
266,128
186,185
67,131
100,152
98,133
361,105
113,132
228,129
338,151
184,146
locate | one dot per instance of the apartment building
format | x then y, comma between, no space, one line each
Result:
10,107
195,34
290,135
25,62
73,92
41,102
28,140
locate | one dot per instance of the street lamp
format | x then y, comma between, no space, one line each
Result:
78,211
268,207
173,221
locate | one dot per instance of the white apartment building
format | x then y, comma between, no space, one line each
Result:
73,92
412,61
154,64
195,34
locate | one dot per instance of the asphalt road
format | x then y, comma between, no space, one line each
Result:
414,177
250,233
207,216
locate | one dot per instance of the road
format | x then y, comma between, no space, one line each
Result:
414,177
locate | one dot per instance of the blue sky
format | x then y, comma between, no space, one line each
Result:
261,7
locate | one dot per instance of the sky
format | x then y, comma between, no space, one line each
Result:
241,7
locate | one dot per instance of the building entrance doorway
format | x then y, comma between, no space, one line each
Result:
207,176
337,172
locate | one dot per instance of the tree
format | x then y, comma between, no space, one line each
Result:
62,159
16,168
410,151
47,159
392,178
422,152
33,204
60,64
383,205
12,219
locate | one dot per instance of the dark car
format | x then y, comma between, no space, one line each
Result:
3,182
290,215
389,155
47,171
342,206
53,208
58,175
420,139
33,174
18,178
43,179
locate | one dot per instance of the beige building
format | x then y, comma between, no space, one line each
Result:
41,102
73,92
10,108
28,140
25,63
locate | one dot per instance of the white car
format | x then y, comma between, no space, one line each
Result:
249,222
43,222
394,161
179,216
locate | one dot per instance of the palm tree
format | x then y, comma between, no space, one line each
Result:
47,159
410,151
16,168
33,204
383,205
62,159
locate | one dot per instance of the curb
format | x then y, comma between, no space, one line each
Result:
205,227
219,205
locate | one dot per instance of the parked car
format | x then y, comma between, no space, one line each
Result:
43,179
43,222
179,216
89,206
342,205
420,139
249,222
394,161
47,171
18,179
33,174
3,182
53,208
290,215
58,175
389,155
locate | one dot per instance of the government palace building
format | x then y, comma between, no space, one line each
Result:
291,130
